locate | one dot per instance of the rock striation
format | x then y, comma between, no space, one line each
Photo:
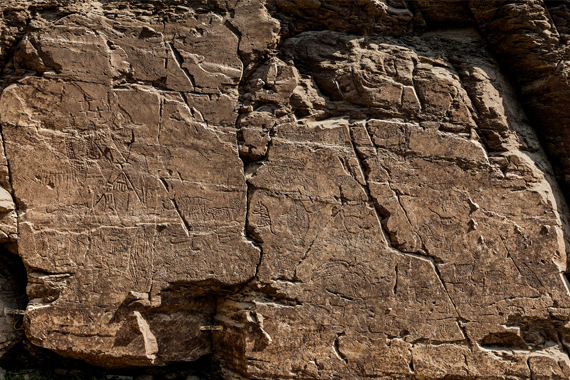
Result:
305,189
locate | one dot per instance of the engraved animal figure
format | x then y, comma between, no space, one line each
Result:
264,219
193,208
55,179
121,184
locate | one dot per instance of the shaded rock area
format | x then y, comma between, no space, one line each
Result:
275,189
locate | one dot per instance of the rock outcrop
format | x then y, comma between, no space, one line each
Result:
330,189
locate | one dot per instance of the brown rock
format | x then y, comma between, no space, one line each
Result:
114,205
293,188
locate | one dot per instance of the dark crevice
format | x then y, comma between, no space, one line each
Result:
22,355
13,269
336,346
237,33
40,363
246,233
126,80
248,162
180,62
563,346
395,289
446,15
9,47
249,236
502,341
424,256
187,225
240,290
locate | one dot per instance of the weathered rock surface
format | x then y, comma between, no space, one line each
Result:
299,189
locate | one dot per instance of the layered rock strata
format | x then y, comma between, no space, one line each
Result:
300,189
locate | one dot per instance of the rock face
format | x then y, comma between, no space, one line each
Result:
330,189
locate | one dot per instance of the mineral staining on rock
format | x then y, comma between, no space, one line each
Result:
345,199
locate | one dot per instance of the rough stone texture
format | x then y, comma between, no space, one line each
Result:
128,192
349,189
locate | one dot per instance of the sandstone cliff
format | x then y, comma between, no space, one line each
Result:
334,189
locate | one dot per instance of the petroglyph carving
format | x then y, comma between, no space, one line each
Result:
264,219
290,188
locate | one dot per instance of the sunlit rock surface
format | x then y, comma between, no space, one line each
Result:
296,189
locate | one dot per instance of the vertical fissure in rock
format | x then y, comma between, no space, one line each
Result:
563,347
336,347
387,237
13,297
246,161
160,117
365,188
180,63
246,234
249,237
374,204
395,289
411,363
228,24
185,224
